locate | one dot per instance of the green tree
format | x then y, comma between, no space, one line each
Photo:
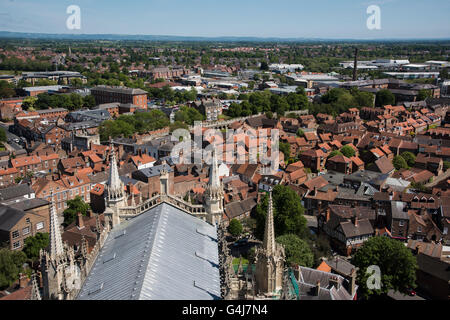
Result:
399,163
285,148
300,133
29,102
89,101
6,90
409,157
188,115
297,250
396,262
446,165
384,97
75,206
334,154
235,228
424,94
34,244
3,136
348,151
11,263
264,66
288,213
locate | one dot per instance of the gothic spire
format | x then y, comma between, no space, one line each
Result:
56,244
114,183
269,232
35,294
214,180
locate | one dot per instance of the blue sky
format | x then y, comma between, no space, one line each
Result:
262,18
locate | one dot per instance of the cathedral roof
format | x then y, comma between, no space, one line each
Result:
163,254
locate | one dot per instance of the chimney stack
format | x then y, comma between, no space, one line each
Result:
317,288
80,222
23,280
334,281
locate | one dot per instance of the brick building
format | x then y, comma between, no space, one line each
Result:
107,94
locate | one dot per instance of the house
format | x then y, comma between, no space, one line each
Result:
348,227
17,225
319,285
433,268
339,163
313,159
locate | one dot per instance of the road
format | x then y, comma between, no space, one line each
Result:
438,179
401,296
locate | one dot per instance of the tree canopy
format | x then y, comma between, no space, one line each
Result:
396,262
75,206
235,227
348,151
11,263
399,163
409,157
384,97
34,244
288,213
188,115
127,125
297,250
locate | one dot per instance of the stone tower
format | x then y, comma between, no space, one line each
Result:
115,190
269,260
214,194
61,276
164,179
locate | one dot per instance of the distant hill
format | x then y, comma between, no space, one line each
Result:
119,37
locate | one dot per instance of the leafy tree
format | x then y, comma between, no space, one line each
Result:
29,102
424,94
188,115
11,263
300,133
285,148
6,90
334,154
264,66
75,206
178,125
235,228
399,163
384,97
89,102
288,213
396,262
409,157
297,250
348,151
34,244
3,136
446,165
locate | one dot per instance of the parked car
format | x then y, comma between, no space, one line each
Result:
411,292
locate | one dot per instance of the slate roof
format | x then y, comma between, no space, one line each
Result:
163,254
15,191
9,217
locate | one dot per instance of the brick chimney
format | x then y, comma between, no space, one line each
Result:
80,222
317,289
23,280
355,221
334,281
